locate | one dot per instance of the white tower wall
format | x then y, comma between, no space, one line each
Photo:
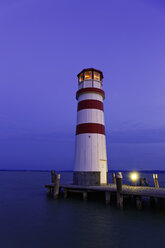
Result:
90,153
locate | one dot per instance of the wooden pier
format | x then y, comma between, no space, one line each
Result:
117,189
137,192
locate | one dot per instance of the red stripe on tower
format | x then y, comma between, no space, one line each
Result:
90,104
90,128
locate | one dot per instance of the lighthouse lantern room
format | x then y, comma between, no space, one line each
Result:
90,166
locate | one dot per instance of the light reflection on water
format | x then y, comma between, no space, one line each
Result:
29,219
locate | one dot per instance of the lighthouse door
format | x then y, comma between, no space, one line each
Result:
103,172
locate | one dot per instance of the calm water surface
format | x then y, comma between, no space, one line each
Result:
29,219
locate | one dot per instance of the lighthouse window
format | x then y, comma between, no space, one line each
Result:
96,76
88,75
81,77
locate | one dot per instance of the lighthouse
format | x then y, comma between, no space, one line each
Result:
90,166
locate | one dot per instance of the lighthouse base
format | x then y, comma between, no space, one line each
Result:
86,178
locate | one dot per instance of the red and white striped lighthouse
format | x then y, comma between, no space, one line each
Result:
90,155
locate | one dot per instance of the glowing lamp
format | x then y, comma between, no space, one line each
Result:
134,177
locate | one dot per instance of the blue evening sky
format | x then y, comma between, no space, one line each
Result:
44,44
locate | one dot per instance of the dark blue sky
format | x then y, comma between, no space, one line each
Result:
45,44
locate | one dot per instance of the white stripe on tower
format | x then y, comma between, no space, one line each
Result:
90,116
90,96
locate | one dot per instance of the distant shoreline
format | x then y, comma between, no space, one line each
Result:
110,171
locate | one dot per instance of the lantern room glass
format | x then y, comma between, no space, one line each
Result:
81,78
88,75
96,76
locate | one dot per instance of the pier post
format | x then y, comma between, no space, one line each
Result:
85,195
65,193
53,173
56,186
119,201
140,181
119,189
160,203
155,177
107,197
143,182
139,202
48,191
152,202
114,178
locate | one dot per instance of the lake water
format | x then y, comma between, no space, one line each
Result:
29,219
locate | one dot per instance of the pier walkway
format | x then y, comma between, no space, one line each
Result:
137,192
126,189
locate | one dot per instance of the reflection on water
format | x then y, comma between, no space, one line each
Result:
29,219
